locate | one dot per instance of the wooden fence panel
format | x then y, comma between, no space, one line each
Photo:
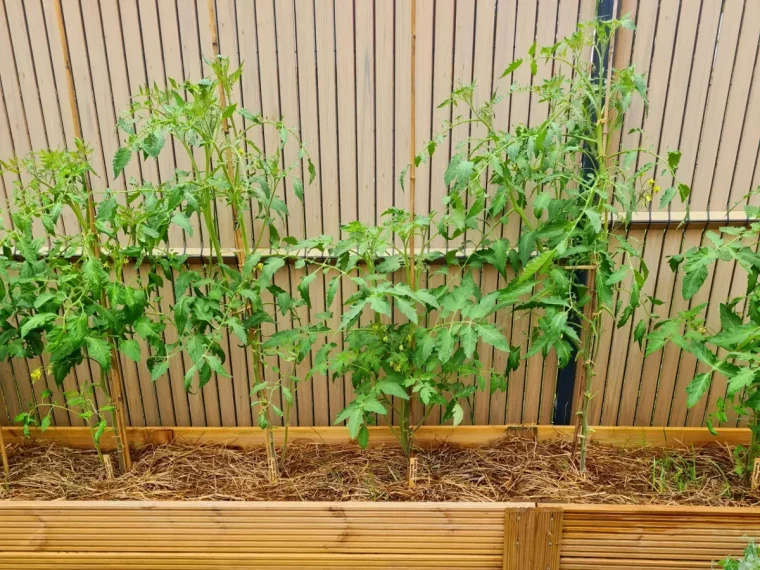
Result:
338,72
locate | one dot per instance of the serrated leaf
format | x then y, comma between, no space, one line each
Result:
130,348
99,350
534,265
406,309
740,380
469,340
697,388
493,336
692,282
380,305
298,189
445,344
120,159
390,388
512,67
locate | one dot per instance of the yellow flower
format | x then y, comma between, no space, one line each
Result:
36,374
656,188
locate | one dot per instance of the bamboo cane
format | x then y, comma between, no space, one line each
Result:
240,253
4,455
412,471
114,377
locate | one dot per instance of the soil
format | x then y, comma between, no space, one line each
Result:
513,469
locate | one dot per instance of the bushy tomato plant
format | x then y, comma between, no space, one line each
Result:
67,293
571,192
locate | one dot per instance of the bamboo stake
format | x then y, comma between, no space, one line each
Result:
412,471
114,377
4,454
241,253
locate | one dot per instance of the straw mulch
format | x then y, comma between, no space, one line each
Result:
517,468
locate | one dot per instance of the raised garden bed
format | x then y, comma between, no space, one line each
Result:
380,533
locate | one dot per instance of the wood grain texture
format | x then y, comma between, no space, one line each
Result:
532,538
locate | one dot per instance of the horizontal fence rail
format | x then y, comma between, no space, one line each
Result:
338,72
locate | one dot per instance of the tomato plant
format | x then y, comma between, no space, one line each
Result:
429,354
228,169
571,193
732,349
67,294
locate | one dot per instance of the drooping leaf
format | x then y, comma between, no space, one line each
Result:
697,388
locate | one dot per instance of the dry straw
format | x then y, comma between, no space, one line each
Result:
518,468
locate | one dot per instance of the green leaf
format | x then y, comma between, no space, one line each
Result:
617,276
99,350
332,290
458,172
42,299
683,192
373,406
389,264
424,346
380,305
120,160
469,339
697,388
93,274
512,67
130,348
692,281
741,380
493,336
181,220
457,414
534,265
303,288
362,438
595,219
729,319
298,189
163,367
674,158
36,322
445,345
640,331
390,388
406,309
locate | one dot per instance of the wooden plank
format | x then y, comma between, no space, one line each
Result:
428,435
532,538
595,536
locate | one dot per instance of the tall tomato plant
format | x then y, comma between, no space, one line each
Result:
572,193
228,169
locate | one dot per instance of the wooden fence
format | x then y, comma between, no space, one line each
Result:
338,71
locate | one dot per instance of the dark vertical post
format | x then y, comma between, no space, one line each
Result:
567,376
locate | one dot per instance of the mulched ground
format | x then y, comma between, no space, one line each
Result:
517,468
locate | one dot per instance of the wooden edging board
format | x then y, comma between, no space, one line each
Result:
467,436
487,536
